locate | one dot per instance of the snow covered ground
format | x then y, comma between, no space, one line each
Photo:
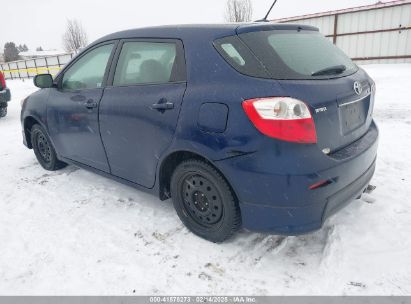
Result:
73,232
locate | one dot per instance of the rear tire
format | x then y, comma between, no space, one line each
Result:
44,150
204,201
3,112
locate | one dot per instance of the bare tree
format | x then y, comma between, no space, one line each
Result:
239,11
75,36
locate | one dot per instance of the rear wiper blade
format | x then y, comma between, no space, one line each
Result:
336,69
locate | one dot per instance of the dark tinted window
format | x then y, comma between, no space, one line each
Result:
298,54
237,54
147,62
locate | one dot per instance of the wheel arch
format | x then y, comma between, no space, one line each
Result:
28,123
171,161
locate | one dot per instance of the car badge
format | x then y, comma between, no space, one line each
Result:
357,88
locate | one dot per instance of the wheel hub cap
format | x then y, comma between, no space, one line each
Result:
201,200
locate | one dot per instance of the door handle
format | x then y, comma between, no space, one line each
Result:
90,104
162,105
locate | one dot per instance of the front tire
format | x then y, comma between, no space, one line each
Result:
44,150
204,201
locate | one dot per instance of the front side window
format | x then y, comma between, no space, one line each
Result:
146,62
88,72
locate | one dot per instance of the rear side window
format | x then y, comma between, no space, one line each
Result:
298,54
237,54
148,62
232,52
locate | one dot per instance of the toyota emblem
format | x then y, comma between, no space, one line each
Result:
357,88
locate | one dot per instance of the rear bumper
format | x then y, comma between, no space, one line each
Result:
5,96
283,203
298,220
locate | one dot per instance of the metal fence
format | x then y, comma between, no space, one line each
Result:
31,67
378,33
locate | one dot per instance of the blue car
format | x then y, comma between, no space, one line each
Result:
263,126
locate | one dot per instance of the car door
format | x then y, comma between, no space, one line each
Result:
139,110
72,111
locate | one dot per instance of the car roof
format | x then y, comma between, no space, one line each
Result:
202,31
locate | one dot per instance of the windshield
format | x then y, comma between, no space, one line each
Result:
298,55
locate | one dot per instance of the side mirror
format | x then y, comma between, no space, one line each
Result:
43,81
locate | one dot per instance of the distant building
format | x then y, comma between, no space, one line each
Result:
1,58
40,54
378,33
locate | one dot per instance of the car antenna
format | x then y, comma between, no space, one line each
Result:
268,13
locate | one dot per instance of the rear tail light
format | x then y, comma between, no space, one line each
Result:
283,118
2,81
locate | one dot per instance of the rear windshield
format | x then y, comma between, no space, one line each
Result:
288,55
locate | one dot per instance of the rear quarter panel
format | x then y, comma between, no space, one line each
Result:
212,80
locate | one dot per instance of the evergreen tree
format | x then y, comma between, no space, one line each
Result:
11,53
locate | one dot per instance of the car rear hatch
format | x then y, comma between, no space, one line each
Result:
311,69
341,115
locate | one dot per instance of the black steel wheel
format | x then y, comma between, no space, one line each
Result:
43,147
44,150
204,201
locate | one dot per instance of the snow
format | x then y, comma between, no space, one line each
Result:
33,53
73,232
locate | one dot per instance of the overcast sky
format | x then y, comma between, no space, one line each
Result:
42,22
